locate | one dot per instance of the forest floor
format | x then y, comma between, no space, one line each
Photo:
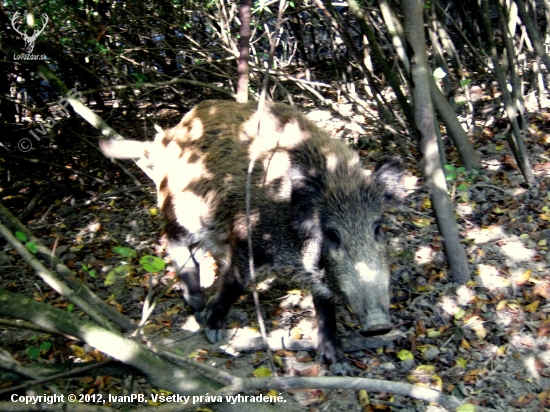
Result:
488,339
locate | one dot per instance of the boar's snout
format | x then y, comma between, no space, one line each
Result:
377,324
376,329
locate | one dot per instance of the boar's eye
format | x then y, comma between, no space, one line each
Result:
379,234
333,237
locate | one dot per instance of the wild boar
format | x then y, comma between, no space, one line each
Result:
314,210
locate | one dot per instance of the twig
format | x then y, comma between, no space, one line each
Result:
253,155
371,385
103,196
32,204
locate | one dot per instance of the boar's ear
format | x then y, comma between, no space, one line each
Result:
123,149
389,173
306,191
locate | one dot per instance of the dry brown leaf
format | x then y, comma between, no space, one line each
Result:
311,372
544,329
472,375
542,289
523,400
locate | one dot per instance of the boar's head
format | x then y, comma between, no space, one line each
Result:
349,241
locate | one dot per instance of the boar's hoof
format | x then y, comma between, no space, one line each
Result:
338,362
199,317
341,369
213,335
214,318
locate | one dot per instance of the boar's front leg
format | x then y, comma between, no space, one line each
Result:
189,275
230,288
327,345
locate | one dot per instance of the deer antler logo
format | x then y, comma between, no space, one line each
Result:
29,40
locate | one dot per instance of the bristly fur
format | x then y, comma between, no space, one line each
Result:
314,210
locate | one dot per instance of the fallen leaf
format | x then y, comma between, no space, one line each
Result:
544,329
542,289
532,307
524,278
363,397
262,372
471,376
311,372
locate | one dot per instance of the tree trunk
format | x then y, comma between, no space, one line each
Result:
244,52
468,155
432,168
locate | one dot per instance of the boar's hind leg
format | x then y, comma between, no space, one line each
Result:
327,345
231,287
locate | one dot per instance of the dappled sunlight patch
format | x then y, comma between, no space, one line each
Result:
319,116
424,255
532,366
464,295
89,232
208,270
486,234
191,325
516,250
449,305
493,164
464,209
196,129
489,277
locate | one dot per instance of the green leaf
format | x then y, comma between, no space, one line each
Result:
432,333
32,247
465,82
466,407
462,186
152,264
45,346
262,372
450,168
461,169
119,272
33,353
21,236
125,251
70,307
451,176
405,354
